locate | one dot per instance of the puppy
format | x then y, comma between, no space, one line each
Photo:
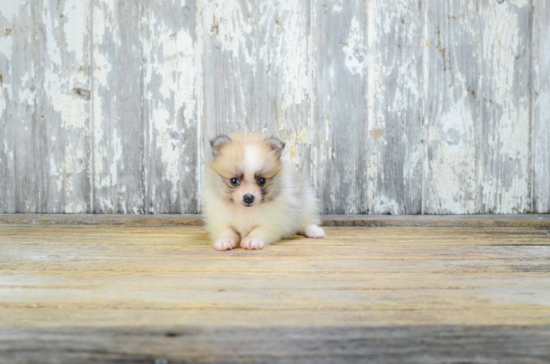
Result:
252,197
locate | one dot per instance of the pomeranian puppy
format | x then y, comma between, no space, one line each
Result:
252,197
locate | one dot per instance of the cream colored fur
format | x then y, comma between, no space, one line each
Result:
294,210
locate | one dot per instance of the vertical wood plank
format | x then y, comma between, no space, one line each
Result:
541,106
451,64
118,96
44,64
64,159
17,105
257,76
394,106
504,145
341,112
171,106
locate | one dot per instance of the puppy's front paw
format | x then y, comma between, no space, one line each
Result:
252,243
314,231
225,244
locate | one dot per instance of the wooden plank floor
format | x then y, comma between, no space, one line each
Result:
142,294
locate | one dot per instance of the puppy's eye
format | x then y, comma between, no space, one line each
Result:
235,181
261,181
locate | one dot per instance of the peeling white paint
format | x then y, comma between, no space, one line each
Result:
199,88
385,205
171,87
2,102
53,48
106,205
7,150
501,40
73,113
103,22
450,108
170,148
290,59
541,110
117,156
177,71
354,49
76,18
55,174
26,94
452,183
505,108
9,9
520,3
280,40
292,50
394,102
6,40
228,23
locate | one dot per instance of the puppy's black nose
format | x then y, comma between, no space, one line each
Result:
248,199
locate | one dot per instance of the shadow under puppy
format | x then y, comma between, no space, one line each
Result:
252,197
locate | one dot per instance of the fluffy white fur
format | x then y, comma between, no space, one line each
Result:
293,210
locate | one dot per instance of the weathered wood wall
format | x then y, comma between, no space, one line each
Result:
390,106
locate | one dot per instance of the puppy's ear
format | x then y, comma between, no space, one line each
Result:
276,144
217,143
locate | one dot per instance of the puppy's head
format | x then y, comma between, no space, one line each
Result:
247,168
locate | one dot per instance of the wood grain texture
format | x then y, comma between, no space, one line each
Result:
146,108
119,121
399,107
171,106
44,107
257,72
341,113
504,144
136,293
176,344
541,106
394,106
451,112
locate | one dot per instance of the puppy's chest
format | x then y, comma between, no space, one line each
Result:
243,222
